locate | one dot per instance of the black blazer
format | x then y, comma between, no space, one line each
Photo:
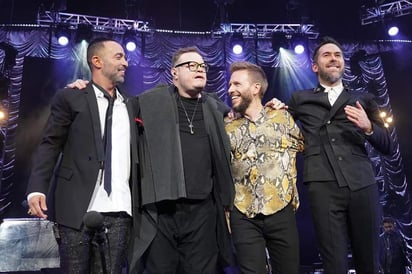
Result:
334,146
73,129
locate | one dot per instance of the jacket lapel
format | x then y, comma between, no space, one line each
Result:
94,114
133,135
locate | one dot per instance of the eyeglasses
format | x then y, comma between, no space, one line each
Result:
194,66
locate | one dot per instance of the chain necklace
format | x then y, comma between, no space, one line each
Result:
190,121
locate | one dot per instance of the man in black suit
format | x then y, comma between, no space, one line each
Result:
79,129
342,191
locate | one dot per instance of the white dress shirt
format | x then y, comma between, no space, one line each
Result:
120,197
333,92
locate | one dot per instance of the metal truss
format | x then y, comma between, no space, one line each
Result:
98,24
376,14
120,26
266,30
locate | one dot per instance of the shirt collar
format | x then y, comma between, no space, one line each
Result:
261,117
99,94
337,88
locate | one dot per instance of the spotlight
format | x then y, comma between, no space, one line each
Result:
236,43
83,33
3,115
393,31
129,40
279,40
62,34
131,46
387,120
299,43
299,49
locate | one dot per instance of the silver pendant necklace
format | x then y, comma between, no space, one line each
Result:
190,121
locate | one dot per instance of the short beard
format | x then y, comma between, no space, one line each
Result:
117,79
244,104
329,78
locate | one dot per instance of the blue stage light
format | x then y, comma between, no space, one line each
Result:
63,34
236,43
129,40
299,48
393,31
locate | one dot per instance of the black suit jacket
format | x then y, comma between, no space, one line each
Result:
73,129
334,146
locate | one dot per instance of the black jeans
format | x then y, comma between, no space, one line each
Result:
186,238
277,232
80,251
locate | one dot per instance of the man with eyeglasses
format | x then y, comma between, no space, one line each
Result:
185,174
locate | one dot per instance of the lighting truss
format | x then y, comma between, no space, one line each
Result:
99,24
266,30
120,26
376,14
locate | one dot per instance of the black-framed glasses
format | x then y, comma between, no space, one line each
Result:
194,66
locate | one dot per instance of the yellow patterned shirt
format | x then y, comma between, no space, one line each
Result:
263,156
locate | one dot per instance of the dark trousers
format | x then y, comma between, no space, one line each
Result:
338,214
277,232
80,250
185,242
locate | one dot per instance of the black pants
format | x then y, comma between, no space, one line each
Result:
80,250
342,216
277,232
185,242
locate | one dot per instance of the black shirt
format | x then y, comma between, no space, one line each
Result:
196,151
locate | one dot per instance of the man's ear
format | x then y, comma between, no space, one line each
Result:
173,72
96,61
257,88
315,68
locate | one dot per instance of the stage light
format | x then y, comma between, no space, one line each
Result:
62,34
237,48
3,115
393,31
299,49
131,46
279,40
299,43
236,43
129,40
387,120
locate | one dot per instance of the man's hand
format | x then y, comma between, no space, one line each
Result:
358,116
37,206
276,104
78,84
232,115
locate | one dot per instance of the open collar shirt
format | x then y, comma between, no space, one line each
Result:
120,198
263,157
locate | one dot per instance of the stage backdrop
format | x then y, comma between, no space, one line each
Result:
42,67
